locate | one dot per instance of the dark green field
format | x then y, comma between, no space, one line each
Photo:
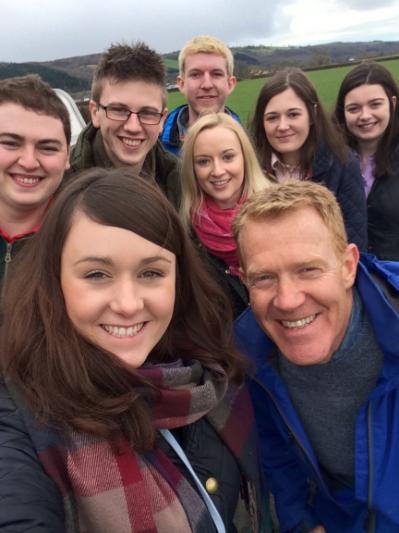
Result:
326,81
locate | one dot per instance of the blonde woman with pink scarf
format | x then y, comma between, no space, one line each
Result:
219,171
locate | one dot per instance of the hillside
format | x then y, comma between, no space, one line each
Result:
74,74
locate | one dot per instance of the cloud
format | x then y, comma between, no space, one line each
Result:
38,30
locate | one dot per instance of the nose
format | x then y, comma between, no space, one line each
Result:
28,158
206,82
127,298
289,295
217,169
365,113
132,123
283,123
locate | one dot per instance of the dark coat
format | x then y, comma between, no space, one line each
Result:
232,286
383,214
7,253
30,500
162,166
346,182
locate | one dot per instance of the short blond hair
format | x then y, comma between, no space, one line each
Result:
192,194
289,196
206,44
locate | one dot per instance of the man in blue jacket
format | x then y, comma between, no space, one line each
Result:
326,349
206,79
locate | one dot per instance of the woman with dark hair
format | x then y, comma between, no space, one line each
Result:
368,113
122,394
295,140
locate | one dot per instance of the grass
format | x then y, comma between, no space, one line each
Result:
326,81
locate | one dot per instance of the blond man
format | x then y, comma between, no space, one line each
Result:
206,79
326,347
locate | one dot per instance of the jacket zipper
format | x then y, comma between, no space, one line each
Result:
297,440
7,260
371,518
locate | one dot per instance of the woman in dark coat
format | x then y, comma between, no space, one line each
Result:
119,372
367,112
295,140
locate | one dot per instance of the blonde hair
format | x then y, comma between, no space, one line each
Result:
290,196
205,44
192,194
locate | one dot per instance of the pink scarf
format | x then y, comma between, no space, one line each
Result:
213,227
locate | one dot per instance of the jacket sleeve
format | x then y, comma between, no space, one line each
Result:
352,200
29,500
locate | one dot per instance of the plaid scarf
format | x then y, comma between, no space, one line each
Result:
124,492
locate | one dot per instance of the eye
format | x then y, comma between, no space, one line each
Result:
293,114
260,281
352,109
309,272
151,274
228,157
10,144
95,275
201,161
270,118
49,149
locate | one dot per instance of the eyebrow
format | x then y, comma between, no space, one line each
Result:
288,110
21,138
377,99
107,261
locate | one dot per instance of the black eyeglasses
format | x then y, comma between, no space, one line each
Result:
120,113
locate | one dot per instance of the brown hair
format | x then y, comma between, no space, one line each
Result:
289,196
321,129
122,62
66,378
371,73
35,94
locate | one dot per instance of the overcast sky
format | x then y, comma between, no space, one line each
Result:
40,30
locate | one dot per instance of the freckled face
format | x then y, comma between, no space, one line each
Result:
300,289
219,165
119,288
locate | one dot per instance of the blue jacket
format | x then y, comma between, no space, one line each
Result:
346,182
171,138
289,463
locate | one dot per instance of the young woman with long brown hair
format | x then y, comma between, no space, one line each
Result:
294,139
119,371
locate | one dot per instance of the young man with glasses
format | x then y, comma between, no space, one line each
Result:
128,109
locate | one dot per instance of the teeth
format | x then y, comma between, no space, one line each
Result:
119,331
27,181
131,142
219,182
298,323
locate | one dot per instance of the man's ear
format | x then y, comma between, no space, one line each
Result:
350,261
180,83
94,110
231,82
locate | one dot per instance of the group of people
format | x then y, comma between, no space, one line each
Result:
189,336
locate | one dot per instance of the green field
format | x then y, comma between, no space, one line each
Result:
326,81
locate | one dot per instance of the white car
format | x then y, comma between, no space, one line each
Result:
77,121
